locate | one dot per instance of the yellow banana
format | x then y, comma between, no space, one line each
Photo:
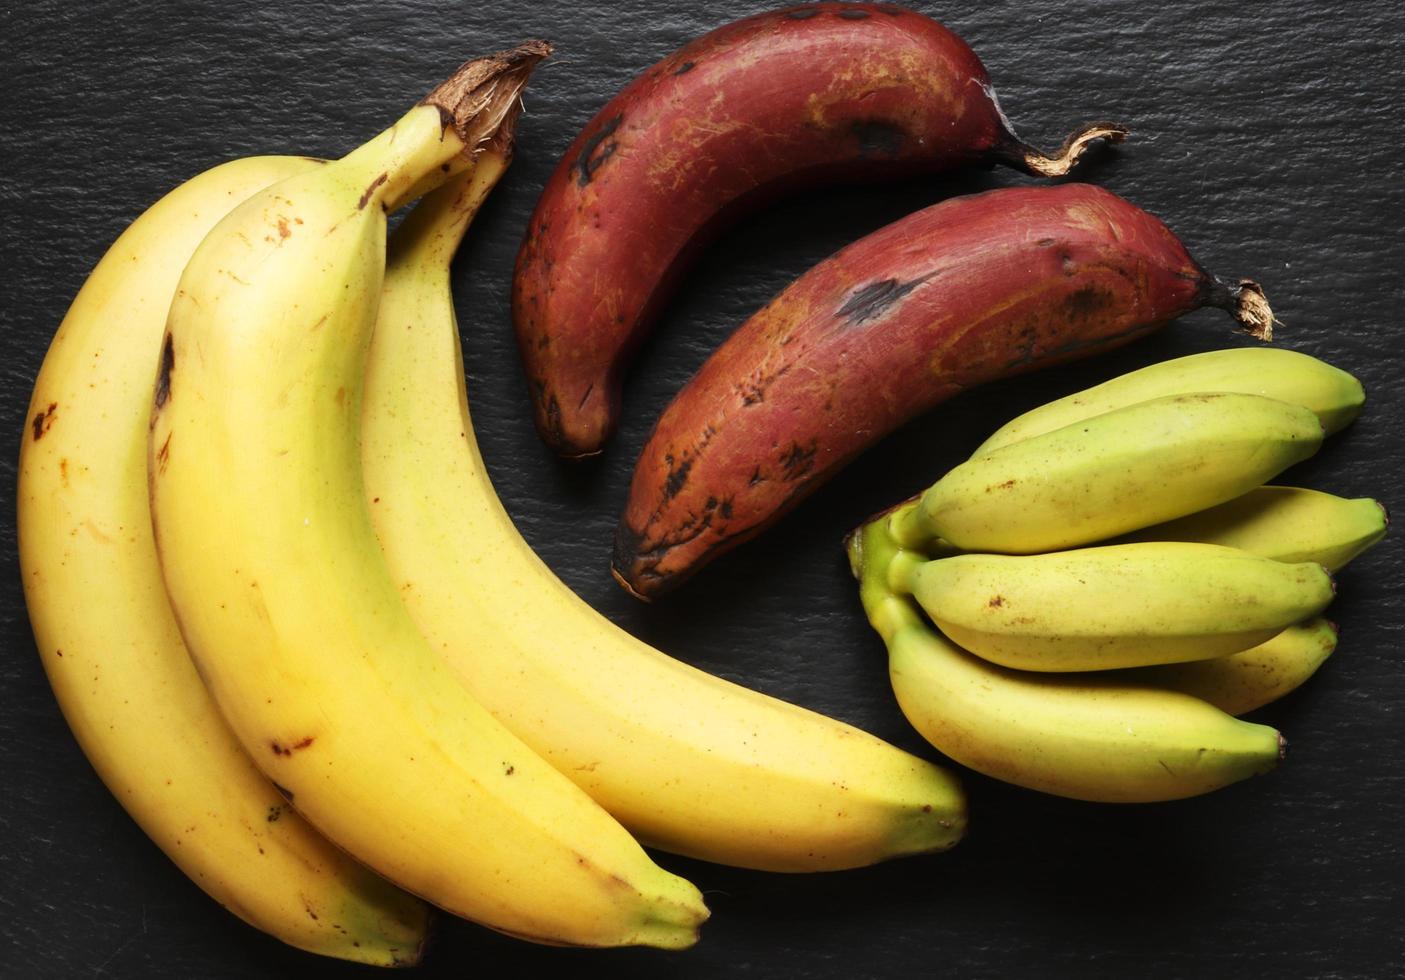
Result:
1335,396
690,762
1116,606
1244,681
104,627
1090,737
1283,523
1110,474
284,599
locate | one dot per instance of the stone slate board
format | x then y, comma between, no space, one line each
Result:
1265,135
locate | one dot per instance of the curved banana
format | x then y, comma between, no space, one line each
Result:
690,762
1244,681
1112,473
1125,605
1335,396
1289,524
283,597
1088,737
105,630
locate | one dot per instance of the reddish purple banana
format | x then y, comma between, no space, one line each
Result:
973,289
766,105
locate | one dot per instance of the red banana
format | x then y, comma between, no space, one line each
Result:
973,289
771,103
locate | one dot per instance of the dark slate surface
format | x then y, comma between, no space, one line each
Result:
1265,134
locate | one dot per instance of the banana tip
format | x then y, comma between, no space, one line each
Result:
624,583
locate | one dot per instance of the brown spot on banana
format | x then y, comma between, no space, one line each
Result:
42,421
163,374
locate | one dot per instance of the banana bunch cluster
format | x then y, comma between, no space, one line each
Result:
1111,582
297,634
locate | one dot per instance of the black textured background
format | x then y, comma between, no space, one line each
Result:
1265,134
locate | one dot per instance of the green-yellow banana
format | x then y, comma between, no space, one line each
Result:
1112,473
1335,396
1244,681
1090,737
104,627
1126,605
282,594
1284,523
690,762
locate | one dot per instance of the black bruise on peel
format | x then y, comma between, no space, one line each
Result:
853,14
1087,302
879,138
589,161
875,299
684,68
163,377
677,478
805,13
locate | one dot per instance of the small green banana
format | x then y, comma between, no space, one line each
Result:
1090,737
1117,606
1335,396
1284,523
1113,473
1251,679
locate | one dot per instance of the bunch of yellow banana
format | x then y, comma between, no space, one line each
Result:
1106,582
300,639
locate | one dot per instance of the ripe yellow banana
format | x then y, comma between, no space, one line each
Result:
1125,605
689,762
280,588
1112,473
1244,681
1090,737
1283,523
104,627
1335,396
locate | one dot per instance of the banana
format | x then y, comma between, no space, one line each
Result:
281,592
689,762
1113,473
1335,396
104,628
1116,606
1244,681
1289,524
1088,737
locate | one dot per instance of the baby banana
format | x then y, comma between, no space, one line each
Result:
1244,681
284,599
1335,396
1096,737
104,627
1121,471
1283,523
691,763
1117,606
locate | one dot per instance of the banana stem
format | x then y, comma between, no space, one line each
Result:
1036,163
909,527
472,111
882,568
431,233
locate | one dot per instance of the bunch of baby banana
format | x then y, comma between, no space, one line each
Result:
1085,604
301,640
